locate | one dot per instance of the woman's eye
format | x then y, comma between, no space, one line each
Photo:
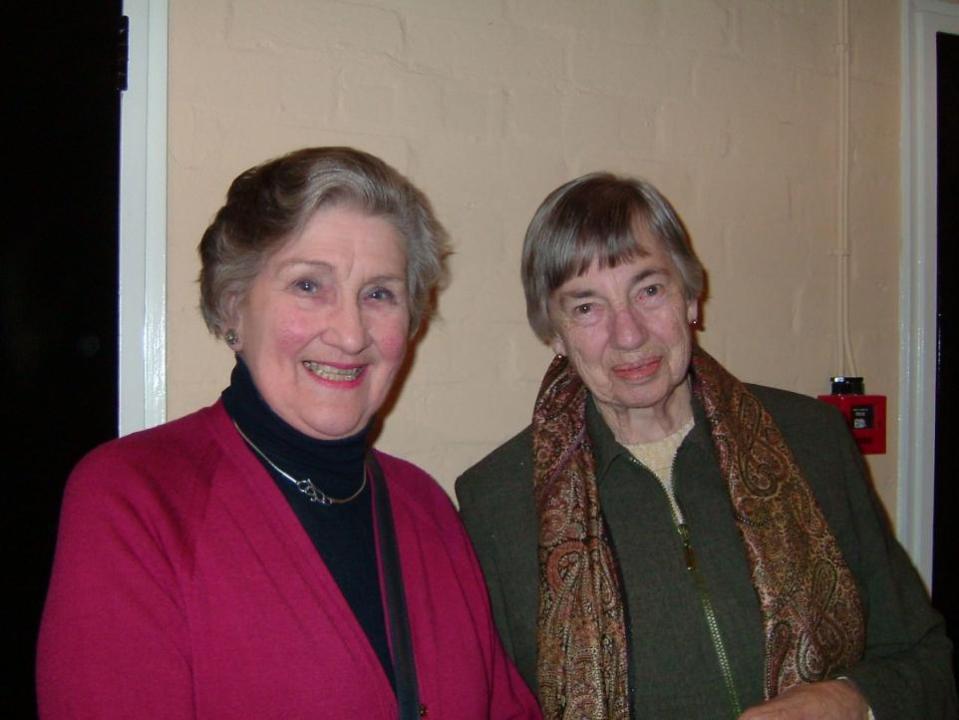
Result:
382,294
584,309
649,293
306,286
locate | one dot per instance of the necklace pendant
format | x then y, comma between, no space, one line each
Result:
316,495
306,485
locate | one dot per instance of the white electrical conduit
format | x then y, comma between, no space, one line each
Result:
844,344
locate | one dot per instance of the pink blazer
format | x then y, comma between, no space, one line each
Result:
185,587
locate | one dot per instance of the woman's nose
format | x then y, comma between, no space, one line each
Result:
629,330
346,329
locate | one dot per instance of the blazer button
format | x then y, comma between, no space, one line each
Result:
423,710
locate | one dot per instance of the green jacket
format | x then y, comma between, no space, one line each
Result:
906,669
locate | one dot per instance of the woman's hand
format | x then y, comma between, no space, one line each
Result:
827,700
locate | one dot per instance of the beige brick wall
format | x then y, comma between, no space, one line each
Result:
729,106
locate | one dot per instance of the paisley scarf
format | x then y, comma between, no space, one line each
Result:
812,614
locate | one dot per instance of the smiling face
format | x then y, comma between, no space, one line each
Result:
324,325
626,332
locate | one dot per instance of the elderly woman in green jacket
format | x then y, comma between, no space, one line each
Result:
665,541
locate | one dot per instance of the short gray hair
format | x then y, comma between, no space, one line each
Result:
595,218
270,203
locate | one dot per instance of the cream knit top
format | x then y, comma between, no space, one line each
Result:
658,457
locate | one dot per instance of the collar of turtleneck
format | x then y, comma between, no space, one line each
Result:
336,466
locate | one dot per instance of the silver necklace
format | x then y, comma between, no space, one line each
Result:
305,485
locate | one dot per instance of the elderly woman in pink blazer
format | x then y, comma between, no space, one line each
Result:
257,558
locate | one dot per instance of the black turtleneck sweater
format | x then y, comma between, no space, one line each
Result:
343,534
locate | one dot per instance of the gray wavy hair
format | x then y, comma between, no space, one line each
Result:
598,217
269,204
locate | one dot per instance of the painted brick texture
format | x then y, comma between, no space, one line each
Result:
729,106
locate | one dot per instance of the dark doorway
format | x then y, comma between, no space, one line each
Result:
945,588
58,288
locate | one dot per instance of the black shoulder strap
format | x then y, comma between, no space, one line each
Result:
404,665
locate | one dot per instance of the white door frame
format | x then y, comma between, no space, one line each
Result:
921,20
143,153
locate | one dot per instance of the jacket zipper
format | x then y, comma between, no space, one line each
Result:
690,557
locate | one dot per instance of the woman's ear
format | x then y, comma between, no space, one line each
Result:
557,344
692,311
233,332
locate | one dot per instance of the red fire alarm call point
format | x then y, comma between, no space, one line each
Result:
866,414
